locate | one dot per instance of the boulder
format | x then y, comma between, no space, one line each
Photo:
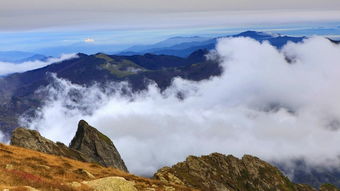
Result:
111,184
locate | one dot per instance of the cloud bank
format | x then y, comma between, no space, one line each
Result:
8,68
277,105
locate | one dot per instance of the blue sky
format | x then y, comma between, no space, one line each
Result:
37,25
38,40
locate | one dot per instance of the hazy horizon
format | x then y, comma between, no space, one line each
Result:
34,25
51,43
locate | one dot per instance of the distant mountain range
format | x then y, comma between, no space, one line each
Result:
20,56
169,43
88,48
175,46
184,46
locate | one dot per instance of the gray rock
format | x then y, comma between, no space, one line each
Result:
97,146
218,172
88,145
31,139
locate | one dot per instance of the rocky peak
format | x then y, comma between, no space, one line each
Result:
32,139
97,146
88,145
218,172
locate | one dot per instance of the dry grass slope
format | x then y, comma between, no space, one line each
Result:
21,167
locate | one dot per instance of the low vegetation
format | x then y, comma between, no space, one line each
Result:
120,68
21,167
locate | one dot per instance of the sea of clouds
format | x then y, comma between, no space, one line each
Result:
275,104
9,68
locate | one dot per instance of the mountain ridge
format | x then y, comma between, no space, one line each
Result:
185,48
20,56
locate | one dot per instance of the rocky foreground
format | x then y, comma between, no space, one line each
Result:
92,162
27,170
218,172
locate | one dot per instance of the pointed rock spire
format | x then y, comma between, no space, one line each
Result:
97,146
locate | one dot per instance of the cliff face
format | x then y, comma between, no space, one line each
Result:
97,146
88,145
218,172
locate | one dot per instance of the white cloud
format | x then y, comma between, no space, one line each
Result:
8,68
89,40
2,137
261,105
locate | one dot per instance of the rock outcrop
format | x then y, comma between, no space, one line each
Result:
88,145
218,172
328,187
97,146
31,139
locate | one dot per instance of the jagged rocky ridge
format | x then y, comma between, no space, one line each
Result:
88,145
218,172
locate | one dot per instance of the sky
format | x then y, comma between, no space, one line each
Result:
33,25
33,14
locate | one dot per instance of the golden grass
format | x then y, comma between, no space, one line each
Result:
22,167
